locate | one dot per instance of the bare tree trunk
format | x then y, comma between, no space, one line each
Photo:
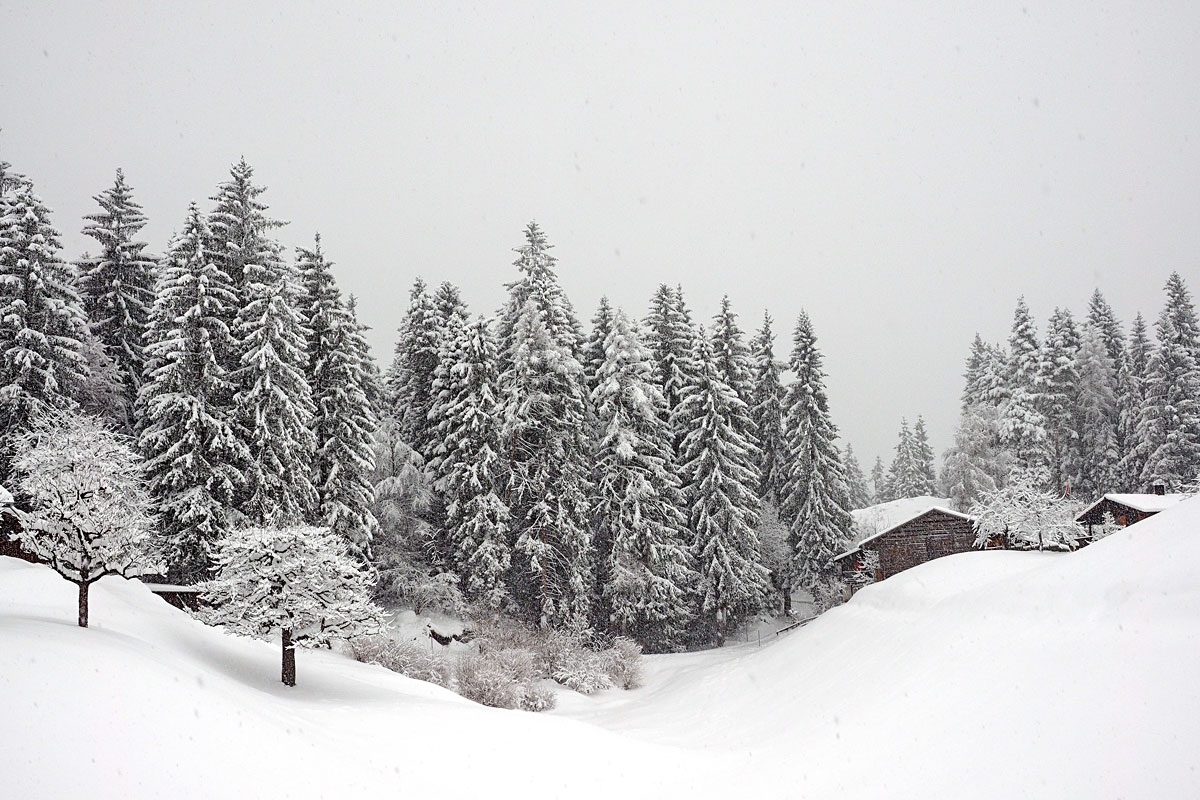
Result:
83,603
289,659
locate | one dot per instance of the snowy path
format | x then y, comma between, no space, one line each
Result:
982,675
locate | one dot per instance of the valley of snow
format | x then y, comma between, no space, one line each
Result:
990,674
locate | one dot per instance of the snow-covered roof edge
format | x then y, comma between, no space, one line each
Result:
1146,503
900,524
6,498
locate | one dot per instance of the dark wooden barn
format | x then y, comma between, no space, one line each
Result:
930,534
1126,509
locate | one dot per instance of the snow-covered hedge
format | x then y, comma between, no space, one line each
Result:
507,678
406,658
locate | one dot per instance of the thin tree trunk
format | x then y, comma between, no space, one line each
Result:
289,659
83,603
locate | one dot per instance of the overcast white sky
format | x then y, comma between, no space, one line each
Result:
902,171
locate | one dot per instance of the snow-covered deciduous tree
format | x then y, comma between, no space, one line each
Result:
857,492
274,410
1027,517
1095,418
89,512
339,377
815,501
194,460
544,438
775,555
644,567
720,488
42,323
766,412
118,284
299,582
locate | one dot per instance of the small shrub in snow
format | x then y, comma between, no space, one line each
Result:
506,678
406,658
623,661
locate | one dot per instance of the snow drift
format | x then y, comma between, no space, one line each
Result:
983,674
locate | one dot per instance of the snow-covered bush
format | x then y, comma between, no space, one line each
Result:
1107,527
299,581
624,663
507,678
573,657
406,658
865,575
1026,518
89,512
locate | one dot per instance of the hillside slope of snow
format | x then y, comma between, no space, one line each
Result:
991,674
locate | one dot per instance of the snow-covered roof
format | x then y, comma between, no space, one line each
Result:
6,498
1146,503
874,521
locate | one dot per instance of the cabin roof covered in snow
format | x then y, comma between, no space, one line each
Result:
6,498
874,521
1146,503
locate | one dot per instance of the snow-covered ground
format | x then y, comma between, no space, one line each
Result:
990,674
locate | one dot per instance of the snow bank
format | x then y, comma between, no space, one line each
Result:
987,674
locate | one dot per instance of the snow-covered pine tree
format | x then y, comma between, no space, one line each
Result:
1183,314
42,322
117,285
878,482
926,473
857,492
450,319
731,354
1023,426
539,281
274,408
1169,428
1104,320
644,568
239,238
766,412
1094,410
594,350
903,474
1059,382
816,505
1131,396
343,418
544,439
720,485
297,581
477,520
974,466
669,338
410,379
976,374
193,458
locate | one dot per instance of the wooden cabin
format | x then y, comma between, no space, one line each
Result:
929,534
1126,509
